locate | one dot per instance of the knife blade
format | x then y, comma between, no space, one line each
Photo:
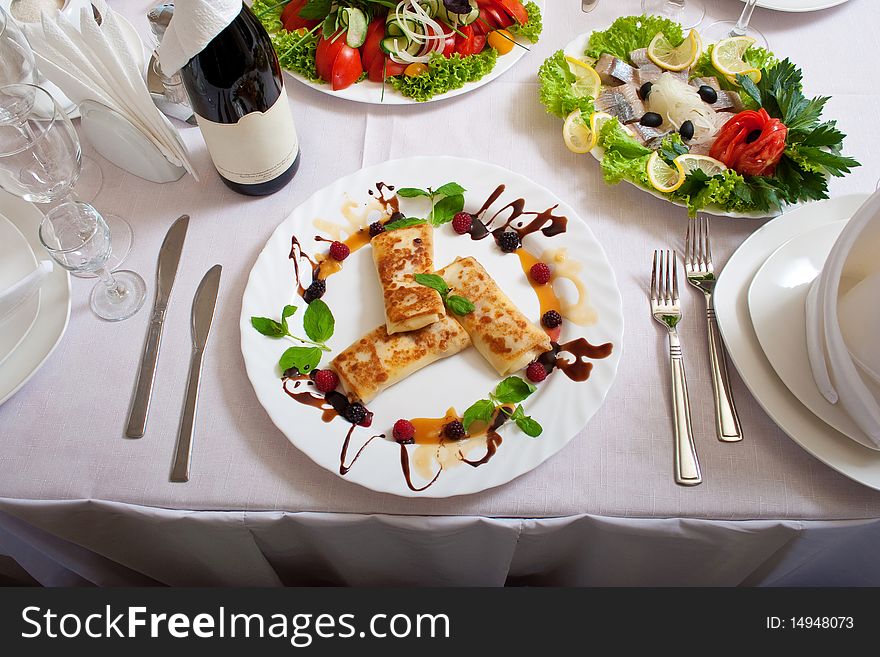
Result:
166,271
204,303
588,5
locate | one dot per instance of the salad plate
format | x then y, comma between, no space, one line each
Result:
464,62
582,354
54,308
709,127
732,310
798,5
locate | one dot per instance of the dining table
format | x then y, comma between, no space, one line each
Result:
82,505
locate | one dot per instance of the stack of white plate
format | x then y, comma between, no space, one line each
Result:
31,332
761,307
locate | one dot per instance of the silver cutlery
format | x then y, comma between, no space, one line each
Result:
203,306
588,5
666,309
701,274
166,271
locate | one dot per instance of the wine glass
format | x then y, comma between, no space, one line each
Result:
40,162
687,12
740,27
36,111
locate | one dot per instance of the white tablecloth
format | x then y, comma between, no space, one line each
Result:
66,472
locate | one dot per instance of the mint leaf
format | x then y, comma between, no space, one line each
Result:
481,410
318,321
434,282
304,359
450,189
459,305
269,327
404,223
288,311
529,426
446,209
512,390
411,192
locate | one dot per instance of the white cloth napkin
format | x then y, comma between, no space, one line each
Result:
16,294
194,25
843,321
94,62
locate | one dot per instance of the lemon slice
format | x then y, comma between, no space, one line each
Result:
708,165
664,55
728,56
578,137
664,178
598,119
587,83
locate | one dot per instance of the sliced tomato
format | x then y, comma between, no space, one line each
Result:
464,42
371,51
347,67
492,18
326,54
291,19
479,43
514,9
751,143
383,67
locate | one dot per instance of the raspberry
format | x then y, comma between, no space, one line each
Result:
355,413
326,380
509,241
376,228
536,372
540,273
551,319
454,430
315,290
462,222
339,251
404,432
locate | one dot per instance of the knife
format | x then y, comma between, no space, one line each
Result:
202,316
169,258
588,5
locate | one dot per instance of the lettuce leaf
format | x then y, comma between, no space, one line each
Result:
613,137
630,33
533,27
556,80
296,51
445,74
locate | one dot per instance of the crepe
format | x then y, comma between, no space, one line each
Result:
379,360
399,255
500,332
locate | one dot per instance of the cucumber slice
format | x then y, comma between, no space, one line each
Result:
467,19
392,45
357,26
433,7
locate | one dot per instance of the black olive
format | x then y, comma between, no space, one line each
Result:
645,90
708,94
686,130
651,120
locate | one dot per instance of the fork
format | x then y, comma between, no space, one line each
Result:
666,309
701,274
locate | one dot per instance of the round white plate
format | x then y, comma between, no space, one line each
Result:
777,298
371,92
16,261
54,310
576,48
731,307
562,406
798,5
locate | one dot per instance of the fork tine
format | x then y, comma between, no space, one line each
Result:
666,279
708,241
674,276
688,244
654,277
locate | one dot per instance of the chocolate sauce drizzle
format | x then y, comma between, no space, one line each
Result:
296,254
578,368
493,440
546,222
343,469
407,473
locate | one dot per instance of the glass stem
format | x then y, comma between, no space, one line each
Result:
115,290
742,25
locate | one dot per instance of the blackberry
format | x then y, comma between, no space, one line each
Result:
509,241
315,290
454,430
376,228
355,413
551,319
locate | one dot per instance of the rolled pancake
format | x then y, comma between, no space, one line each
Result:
500,332
379,360
399,255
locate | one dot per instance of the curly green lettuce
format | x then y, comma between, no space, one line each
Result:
445,74
296,51
533,27
557,95
630,33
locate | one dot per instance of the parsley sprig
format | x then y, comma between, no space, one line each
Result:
318,323
511,390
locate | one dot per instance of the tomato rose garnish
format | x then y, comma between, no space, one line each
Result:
751,143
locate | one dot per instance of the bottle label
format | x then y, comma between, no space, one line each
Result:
257,149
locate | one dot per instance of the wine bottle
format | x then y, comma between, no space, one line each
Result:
237,94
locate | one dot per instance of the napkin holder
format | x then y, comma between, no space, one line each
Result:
118,141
